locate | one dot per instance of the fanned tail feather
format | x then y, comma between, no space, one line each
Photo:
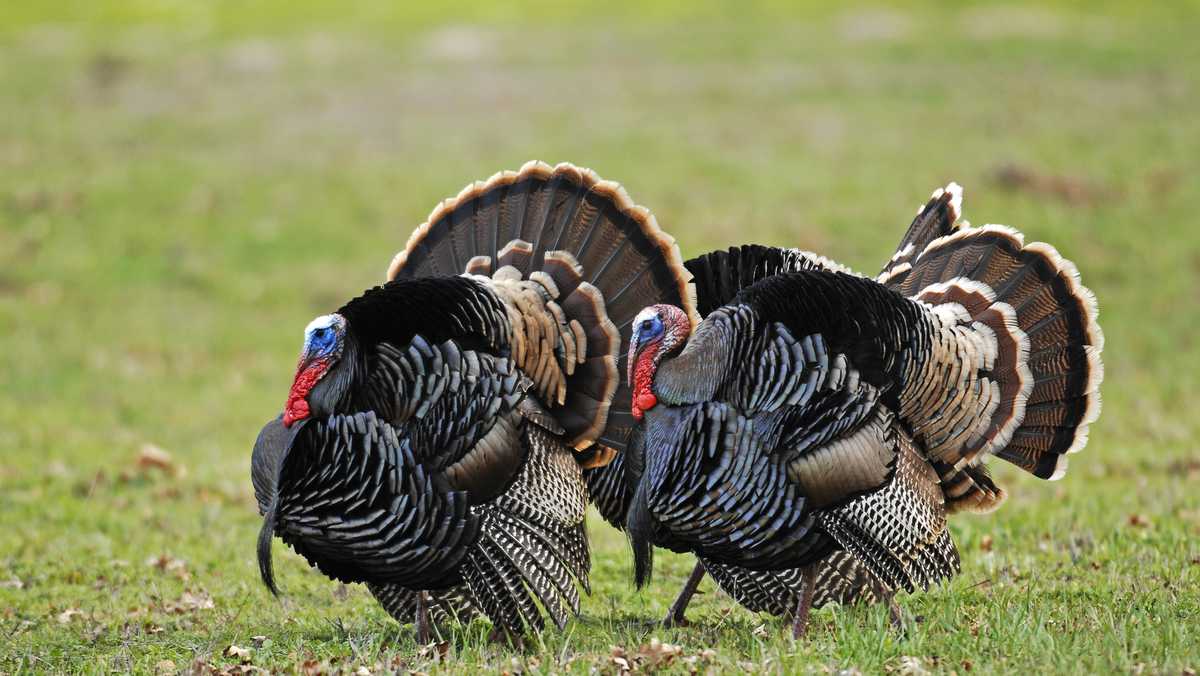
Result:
533,548
1048,341
899,532
937,218
607,257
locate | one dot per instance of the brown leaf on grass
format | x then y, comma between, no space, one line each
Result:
170,564
434,651
619,658
985,543
694,662
190,602
67,615
1139,521
151,456
258,641
164,667
240,653
912,666
656,653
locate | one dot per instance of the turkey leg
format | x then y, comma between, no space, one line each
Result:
675,616
421,621
800,617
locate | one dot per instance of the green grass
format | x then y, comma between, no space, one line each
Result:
183,185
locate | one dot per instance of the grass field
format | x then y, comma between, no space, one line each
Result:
183,185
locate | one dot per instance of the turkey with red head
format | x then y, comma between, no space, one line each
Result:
433,439
817,411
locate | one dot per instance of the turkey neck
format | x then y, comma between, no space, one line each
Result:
342,388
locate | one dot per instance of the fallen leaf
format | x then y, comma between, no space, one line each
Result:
189,602
434,651
165,667
243,654
985,543
658,653
67,615
153,457
1139,521
170,564
259,641
912,666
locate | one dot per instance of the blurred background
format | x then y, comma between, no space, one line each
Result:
184,184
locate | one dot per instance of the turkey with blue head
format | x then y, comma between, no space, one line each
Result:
433,440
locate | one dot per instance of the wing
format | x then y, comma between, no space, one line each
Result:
462,411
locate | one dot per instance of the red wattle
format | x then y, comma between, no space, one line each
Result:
297,408
646,401
643,379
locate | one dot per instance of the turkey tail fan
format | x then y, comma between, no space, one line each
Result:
534,549
720,275
606,257
1048,340
841,580
899,532
443,604
938,218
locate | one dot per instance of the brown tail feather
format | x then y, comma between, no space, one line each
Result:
970,489
1048,368
938,218
607,257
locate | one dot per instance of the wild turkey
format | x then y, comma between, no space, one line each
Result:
718,277
432,442
821,411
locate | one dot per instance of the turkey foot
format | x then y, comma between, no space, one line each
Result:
675,616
